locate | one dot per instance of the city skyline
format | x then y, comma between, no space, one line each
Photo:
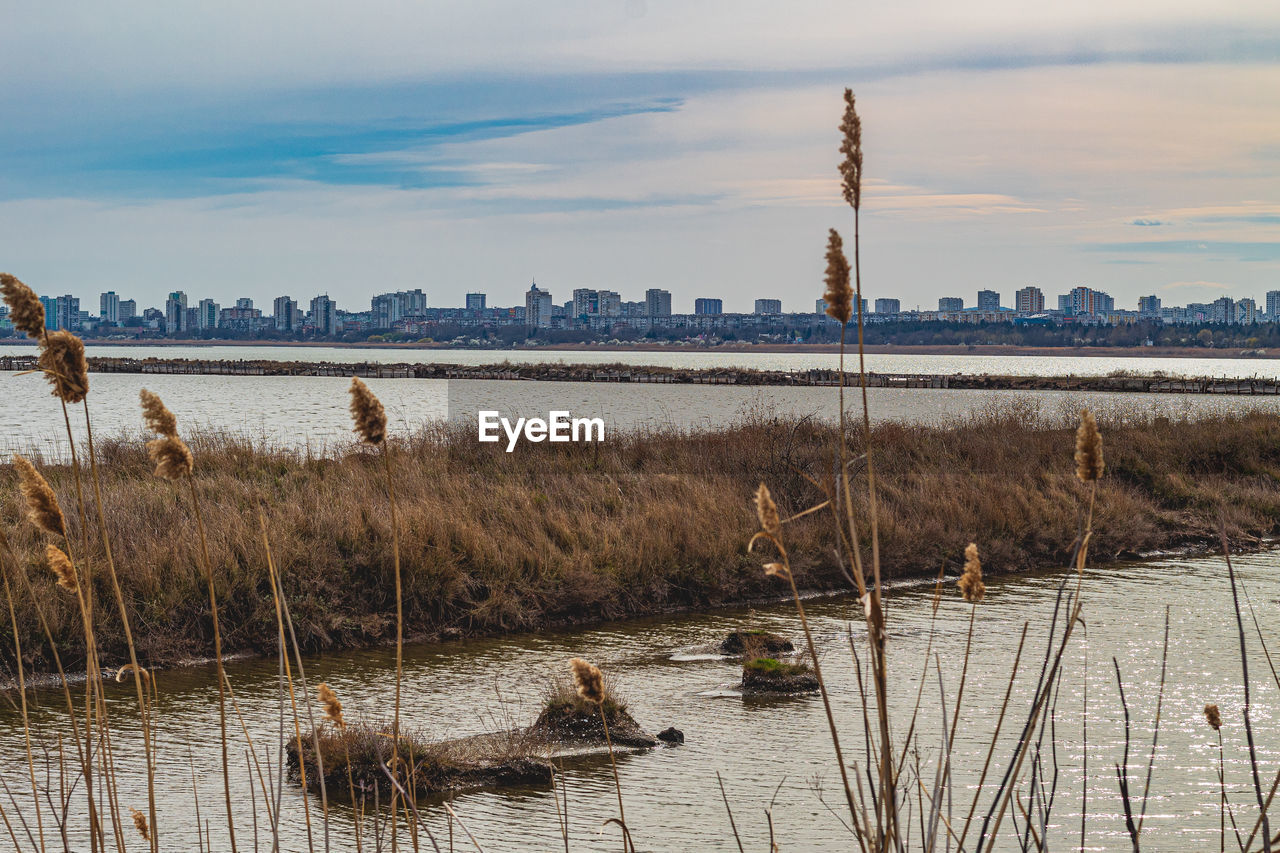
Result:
1128,146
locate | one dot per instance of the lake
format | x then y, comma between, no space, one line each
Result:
779,748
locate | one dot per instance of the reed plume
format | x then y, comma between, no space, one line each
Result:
851,148
971,585
367,412
60,565
589,680
156,415
63,362
140,824
42,504
1213,717
26,312
839,294
171,456
767,512
129,668
1089,462
332,706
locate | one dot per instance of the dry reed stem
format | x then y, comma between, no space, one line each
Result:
26,720
590,687
118,593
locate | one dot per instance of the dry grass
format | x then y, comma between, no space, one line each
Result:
562,534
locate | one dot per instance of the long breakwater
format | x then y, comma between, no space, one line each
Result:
1151,384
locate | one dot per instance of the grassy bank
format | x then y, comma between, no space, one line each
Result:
564,534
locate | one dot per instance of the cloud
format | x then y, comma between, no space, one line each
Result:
1148,222
1196,285
1249,252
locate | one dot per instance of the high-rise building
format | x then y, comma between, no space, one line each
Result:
657,302
768,306
1149,306
1222,310
708,306
988,300
175,313
1029,300
1246,311
888,306
1273,304
951,303
537,308
475,301
1064,304
609,303
244,303
586,303
109,308
128,310
207,314
285,310
324,316
1085,301
67,309
50,304
387,309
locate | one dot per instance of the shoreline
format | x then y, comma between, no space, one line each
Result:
879,349
563,536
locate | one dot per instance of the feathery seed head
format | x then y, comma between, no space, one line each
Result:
61,566
851,148
1089,462
42,504
332,707
63,362
589,680
1213,716
367,412
25,309
767,512
971,585
839,294
156,415
172,457
140,824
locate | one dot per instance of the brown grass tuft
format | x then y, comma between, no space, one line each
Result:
1213,716
64,365
367,412
171,456
25,309
42,504
971,585
157,416
1089,463
61,566
851,148
839,294
590,681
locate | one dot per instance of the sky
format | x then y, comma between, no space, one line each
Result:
240,148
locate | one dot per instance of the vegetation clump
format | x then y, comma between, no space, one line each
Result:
756,642
357,759
567,718
770,675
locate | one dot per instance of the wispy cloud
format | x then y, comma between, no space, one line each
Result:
1238,251
1196,285
1148,223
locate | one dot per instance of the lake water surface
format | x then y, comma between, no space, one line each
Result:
776,750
